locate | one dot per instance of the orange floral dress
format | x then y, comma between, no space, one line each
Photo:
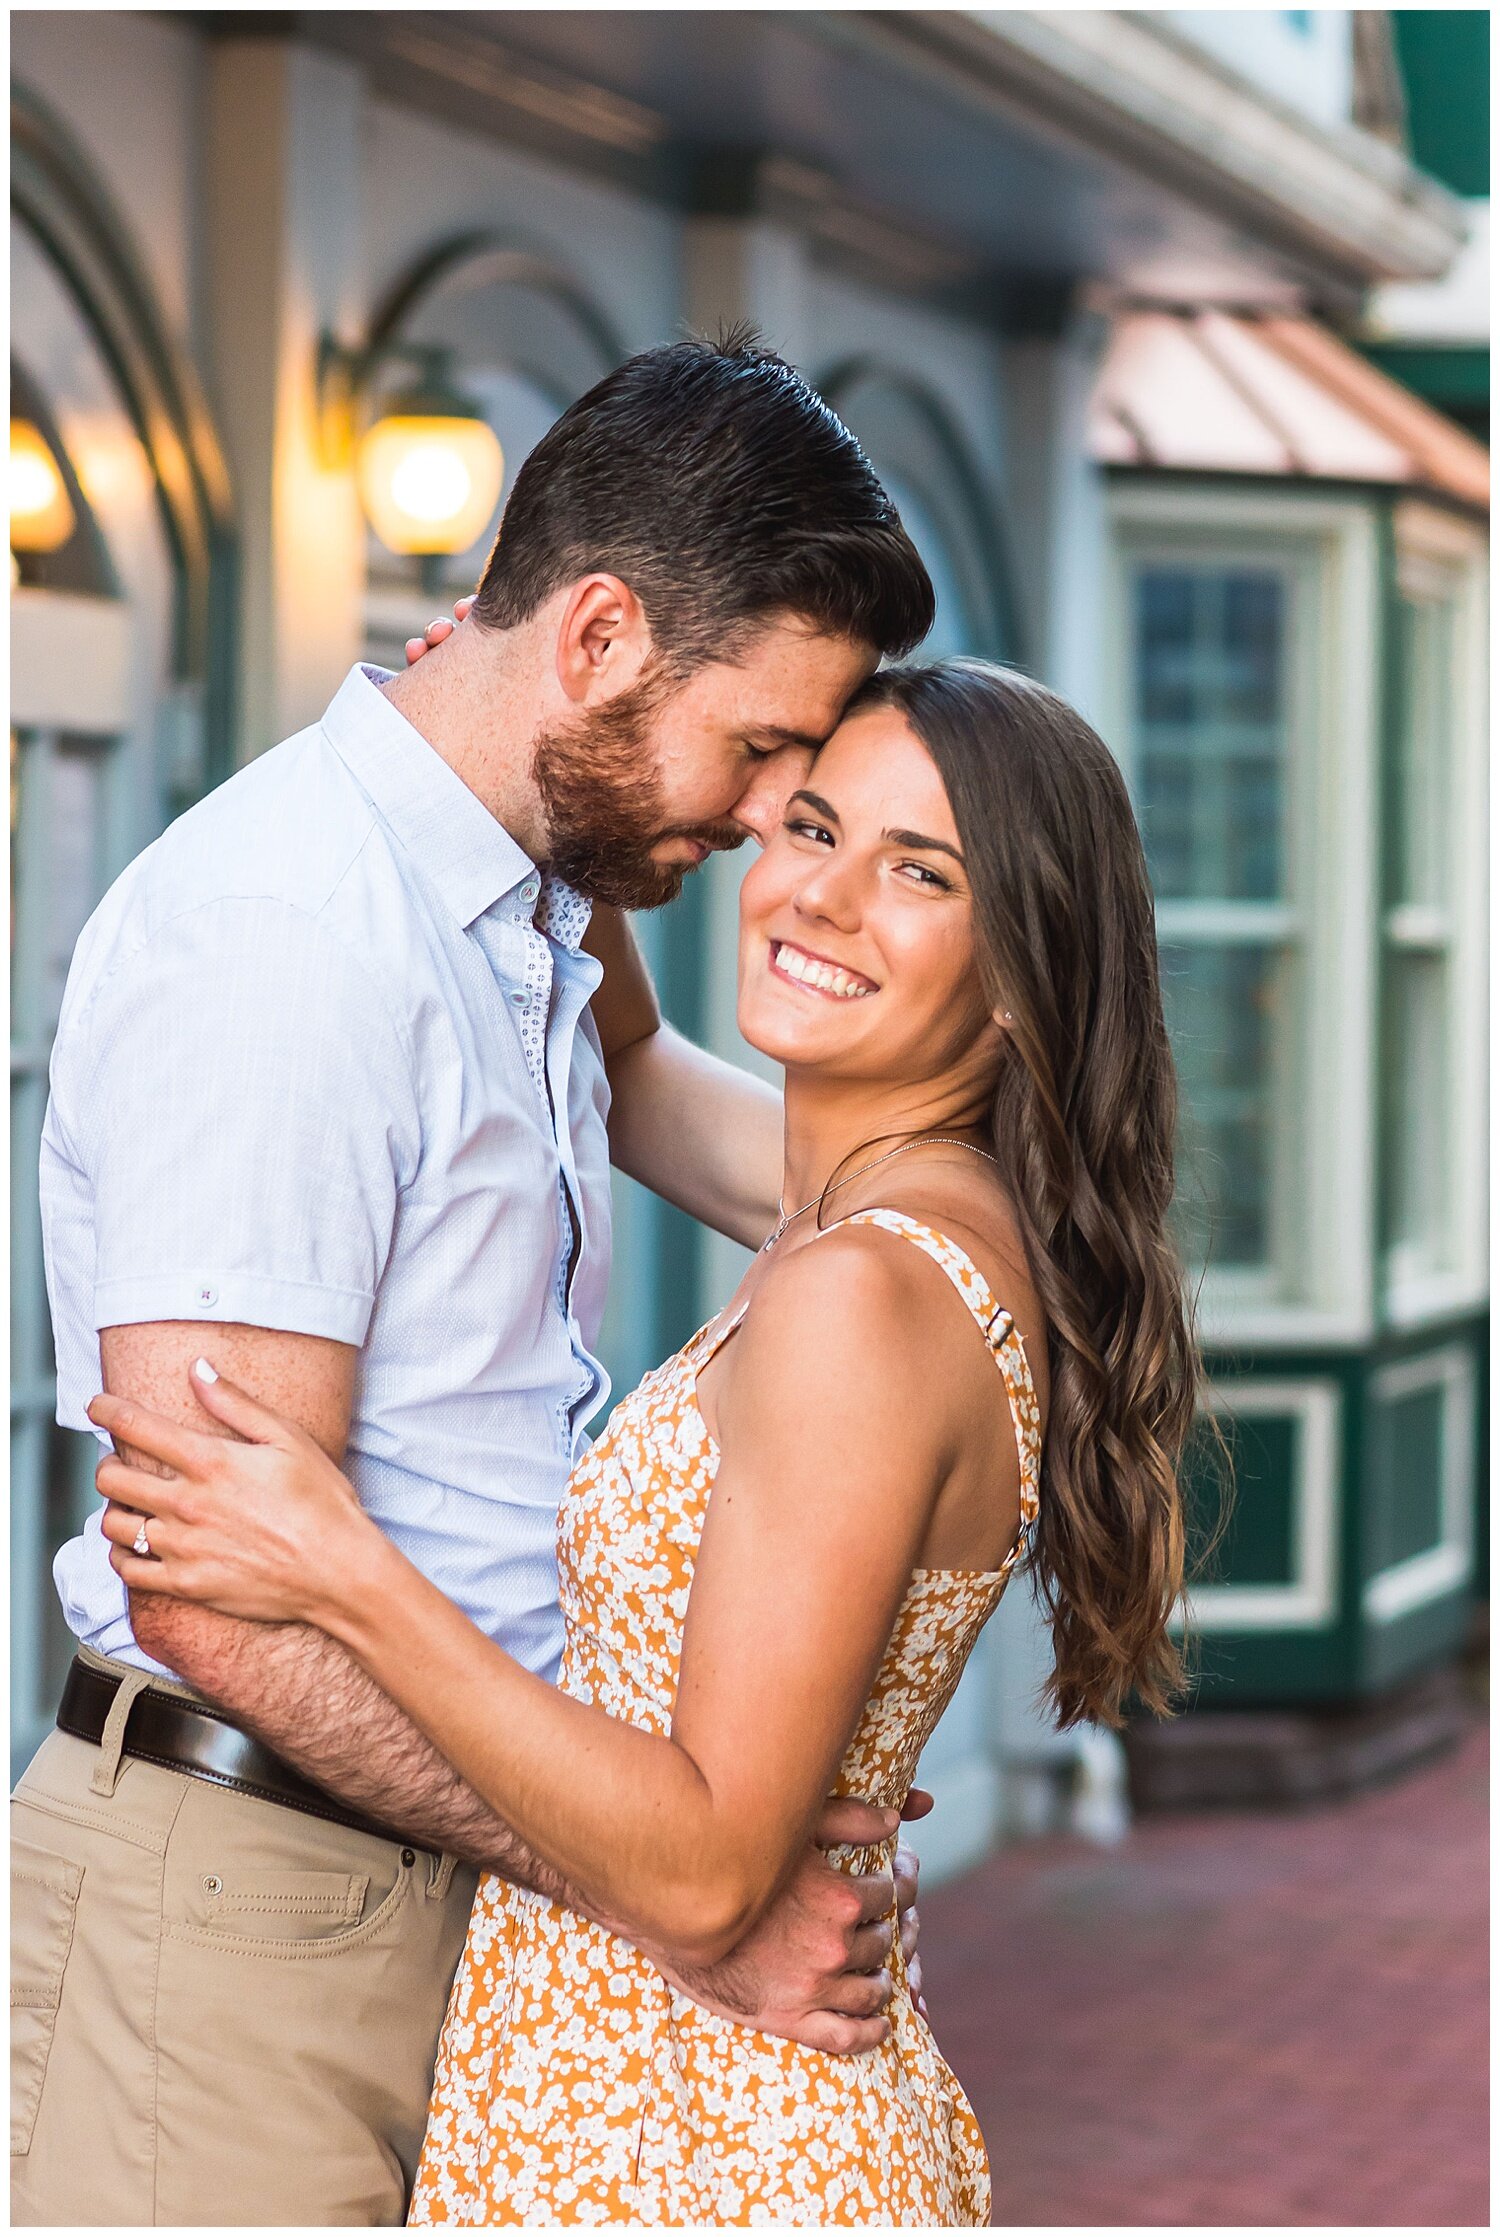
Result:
573,2083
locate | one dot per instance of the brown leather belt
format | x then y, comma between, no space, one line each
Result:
200,1742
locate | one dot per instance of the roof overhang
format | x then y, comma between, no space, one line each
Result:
983,158
1127,86
1207,392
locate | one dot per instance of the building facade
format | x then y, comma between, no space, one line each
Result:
1434,336
940,217
1297,626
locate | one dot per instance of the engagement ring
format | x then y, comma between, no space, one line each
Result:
141,1544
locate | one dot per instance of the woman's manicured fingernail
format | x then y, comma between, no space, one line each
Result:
204,1372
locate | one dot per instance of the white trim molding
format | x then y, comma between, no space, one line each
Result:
1130,86
1440,1569
1443,561
1320,1286
1309,1601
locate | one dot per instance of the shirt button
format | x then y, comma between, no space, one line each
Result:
529,891
208,1296
520,997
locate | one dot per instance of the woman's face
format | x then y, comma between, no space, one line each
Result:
857,955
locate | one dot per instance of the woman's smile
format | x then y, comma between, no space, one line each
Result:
817,974
850,900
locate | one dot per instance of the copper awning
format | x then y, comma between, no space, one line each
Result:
1236,392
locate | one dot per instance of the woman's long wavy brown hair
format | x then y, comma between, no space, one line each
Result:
1084,1118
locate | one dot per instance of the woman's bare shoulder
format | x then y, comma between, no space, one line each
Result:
844,1307
979,1218
865,1307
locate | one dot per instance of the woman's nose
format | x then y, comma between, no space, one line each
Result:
831,894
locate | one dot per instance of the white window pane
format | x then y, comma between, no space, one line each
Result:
1419,805
1225,1007
1210,724
1416,1077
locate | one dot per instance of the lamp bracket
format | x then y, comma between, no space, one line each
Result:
465,262
345,372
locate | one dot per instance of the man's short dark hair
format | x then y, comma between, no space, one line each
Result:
716,482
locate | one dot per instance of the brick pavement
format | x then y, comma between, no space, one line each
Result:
1232,2020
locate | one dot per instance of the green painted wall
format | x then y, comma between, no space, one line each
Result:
1444,58
1454,380
1386,1510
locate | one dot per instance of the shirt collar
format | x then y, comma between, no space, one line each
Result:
460,848
563,913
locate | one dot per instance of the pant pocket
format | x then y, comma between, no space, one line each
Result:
279,1906
43,1904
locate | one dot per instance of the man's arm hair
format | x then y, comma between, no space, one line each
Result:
291,1686
296,1689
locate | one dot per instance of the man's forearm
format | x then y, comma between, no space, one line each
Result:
302,1695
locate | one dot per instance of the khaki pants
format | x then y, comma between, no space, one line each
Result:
224,2011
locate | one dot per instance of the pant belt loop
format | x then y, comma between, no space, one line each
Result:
439,1875
112,1738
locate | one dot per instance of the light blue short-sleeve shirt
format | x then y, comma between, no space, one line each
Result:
325,1063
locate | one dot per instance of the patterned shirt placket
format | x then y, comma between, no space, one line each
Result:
531,1001
562,916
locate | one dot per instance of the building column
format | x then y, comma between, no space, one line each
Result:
1051,360
748,269
1053,351
282,171
737,268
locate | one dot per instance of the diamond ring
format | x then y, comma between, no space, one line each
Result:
141,1544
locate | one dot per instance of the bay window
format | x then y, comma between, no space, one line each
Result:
1245,716
1431,915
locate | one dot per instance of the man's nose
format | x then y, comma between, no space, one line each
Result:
761,807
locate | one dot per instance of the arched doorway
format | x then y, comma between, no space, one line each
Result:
925,462
523,339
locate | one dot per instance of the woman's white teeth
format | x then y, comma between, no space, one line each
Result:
826,976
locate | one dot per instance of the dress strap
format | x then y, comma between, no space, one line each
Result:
700,1349
997,1326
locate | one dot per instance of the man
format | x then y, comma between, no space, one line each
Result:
326,1080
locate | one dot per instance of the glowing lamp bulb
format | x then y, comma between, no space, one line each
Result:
429,484
41,511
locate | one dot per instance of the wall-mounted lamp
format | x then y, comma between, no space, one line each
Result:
429,467
41,511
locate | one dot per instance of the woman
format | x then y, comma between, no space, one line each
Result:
775,1561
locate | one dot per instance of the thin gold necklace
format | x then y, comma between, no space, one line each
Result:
920,1141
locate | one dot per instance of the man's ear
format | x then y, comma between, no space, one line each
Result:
603,642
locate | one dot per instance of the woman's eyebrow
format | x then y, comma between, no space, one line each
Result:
821,806
927,846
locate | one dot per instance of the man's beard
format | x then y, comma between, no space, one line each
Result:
602,799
